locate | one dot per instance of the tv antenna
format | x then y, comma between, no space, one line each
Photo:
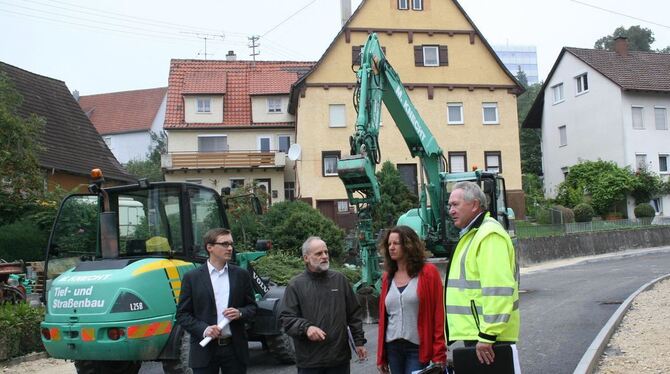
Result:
205,37
253,44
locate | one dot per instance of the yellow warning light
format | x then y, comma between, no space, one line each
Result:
474,167
96,173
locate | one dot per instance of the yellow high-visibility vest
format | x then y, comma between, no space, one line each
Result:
483,285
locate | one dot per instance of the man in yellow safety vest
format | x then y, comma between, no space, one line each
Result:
482,291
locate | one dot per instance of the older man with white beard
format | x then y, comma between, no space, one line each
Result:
317,308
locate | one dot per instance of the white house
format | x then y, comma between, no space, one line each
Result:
126,119
609,105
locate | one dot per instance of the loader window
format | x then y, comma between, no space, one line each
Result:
205,215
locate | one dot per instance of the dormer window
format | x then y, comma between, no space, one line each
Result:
274,105
203,105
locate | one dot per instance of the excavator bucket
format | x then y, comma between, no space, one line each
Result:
358,174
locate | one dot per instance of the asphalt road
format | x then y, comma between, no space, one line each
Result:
562,311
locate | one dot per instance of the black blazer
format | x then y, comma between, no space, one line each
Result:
197,310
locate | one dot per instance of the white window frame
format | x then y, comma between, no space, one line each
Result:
562,136
342,206
331,113
664,125
261,137
665,156
582,84
641,161
451,121
203,105
633,109
558,93
214,136
417,4
279,137
437,55
274,105
494,106
403,4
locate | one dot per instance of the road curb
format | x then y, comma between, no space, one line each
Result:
26,358
592,355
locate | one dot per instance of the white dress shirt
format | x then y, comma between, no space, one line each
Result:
221,286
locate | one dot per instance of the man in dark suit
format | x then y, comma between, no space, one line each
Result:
215,290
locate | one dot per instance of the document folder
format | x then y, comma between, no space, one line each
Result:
506,361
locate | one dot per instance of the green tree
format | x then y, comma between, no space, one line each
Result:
646,185
529,139
244,222
150,168
396,198
639,39
20,178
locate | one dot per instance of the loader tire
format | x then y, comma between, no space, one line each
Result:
107,367
180,366
281,348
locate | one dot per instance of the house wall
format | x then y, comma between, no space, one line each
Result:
192,116
468,64
130,146
593,122
260,114
157,124
238,139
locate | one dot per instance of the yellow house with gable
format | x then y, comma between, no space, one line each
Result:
459,86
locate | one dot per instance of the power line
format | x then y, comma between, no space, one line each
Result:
288,18
619,13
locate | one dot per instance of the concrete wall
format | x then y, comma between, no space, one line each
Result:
534,250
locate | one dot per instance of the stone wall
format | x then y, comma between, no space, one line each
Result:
534,250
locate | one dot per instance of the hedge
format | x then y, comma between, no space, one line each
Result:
20,326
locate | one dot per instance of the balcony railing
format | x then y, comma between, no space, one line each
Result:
228,159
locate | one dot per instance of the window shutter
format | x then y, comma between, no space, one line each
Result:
356,54
418,55
444,56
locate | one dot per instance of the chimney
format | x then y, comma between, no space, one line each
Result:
231,56
75,94
621,45
345,10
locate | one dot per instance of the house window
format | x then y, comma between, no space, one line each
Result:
236,183
661,118
638,122
342,206
337,115
558,93
417,4
108,141
657,203
289,191
493,161
640,161
431,55
490,113
562,136
214,143
582,83
330,159
457,162
264,144
284,143
455,113
403,4
564,171
274,104
203,105
662,163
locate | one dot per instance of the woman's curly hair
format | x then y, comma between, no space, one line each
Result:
413,247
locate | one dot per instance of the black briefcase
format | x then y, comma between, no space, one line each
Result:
506,360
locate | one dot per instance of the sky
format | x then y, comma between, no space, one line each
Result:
116,45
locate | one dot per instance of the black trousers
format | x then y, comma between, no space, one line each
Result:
224,359
341,369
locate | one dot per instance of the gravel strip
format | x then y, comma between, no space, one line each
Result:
638,345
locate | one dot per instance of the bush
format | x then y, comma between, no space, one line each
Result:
566,213
543,216
23,240
279,266
644,210
20,326
583,212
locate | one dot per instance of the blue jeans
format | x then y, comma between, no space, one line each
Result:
403,357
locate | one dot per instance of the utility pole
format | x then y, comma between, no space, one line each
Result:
204,37
253,44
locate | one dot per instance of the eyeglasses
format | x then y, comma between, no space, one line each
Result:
224,244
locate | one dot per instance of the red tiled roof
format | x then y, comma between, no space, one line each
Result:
240,77
205,82
120,112
268,83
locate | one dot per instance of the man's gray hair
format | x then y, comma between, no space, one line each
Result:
307,243
472,191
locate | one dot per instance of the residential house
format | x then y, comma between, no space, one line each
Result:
126,119
227,124
609,105
70,145
460,87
